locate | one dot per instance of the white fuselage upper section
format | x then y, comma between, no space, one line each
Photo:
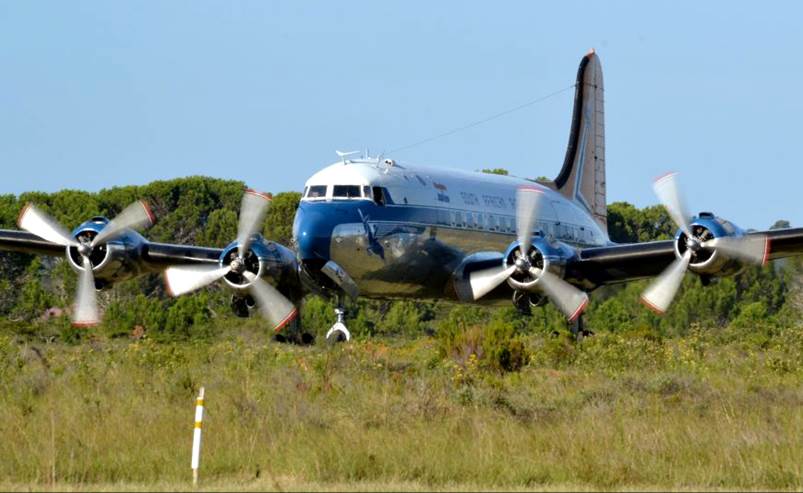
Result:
475,201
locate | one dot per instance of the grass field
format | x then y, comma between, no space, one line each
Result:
716,409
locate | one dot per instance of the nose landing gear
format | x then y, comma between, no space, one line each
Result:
339,332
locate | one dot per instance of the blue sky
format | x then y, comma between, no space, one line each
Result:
98,94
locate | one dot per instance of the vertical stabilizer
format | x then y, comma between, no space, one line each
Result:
582,178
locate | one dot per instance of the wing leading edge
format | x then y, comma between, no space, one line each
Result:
612,264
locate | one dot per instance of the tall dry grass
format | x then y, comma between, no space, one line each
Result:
616,412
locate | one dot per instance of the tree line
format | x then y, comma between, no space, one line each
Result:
203,211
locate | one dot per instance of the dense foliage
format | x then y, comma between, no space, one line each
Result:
203,211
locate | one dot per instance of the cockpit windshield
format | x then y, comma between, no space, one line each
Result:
316,192
338,192
346,192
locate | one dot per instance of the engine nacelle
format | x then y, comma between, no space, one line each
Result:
544,255
707,261
114,261
267,260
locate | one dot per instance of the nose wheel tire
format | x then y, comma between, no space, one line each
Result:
338,333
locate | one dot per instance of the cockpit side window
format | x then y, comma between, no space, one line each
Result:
346,192
316,192
379,196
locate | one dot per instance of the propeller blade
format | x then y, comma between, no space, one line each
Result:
135,216
185,278
662,291
668,192
37,222
484,281
570,300
752,248
85,310
252,213
271,303
527,202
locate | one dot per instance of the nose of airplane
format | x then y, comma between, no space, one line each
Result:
312,231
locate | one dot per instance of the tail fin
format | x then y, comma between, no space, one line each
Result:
582,178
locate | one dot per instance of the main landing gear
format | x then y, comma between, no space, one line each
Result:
339,332
578,330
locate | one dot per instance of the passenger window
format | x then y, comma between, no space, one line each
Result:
346,192
366,192
316,192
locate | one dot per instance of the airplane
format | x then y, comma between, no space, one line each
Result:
378,228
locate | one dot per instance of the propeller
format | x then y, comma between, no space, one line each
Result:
273,305
85,308
569,299
751,249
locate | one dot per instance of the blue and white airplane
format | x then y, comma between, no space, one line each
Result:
378,228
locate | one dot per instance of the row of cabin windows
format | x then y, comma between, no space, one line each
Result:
340,192
507,224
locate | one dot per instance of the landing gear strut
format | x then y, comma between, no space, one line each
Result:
578,330
339,332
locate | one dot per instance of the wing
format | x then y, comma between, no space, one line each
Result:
159,256
785,242
24,242
611,264
155,256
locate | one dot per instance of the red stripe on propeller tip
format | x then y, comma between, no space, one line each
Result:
652,307
22,213
168,289
766,258
579,311
665,175
289,318
264,195
148,211
530,188
81,324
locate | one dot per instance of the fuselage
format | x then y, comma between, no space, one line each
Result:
402,230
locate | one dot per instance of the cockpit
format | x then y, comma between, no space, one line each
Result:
344,192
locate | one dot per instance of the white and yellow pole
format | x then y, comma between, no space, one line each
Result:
196,436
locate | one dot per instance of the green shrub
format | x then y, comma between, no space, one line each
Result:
497,343
404,317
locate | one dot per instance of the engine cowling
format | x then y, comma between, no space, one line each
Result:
708,261
113,261
543,255
266,260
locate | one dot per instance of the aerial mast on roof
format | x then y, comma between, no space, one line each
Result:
344,155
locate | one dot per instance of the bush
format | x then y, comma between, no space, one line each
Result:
404,317
186,317
497,344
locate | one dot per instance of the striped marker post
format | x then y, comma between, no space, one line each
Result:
196,436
